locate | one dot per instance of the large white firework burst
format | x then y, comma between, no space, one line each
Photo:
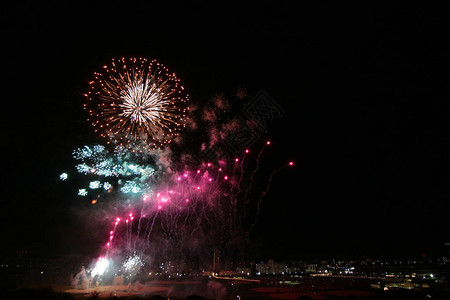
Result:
135,102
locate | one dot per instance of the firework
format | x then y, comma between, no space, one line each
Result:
161,208
132,264
100,266
121,165
183,214
135,102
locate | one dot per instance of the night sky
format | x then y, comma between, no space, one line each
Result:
365,90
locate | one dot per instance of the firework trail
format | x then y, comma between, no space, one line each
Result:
252,176
264,193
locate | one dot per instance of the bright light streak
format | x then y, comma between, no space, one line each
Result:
100,267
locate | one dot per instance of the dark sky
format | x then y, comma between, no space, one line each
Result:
364,88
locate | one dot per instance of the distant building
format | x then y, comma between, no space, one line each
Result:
226,273
243,270
270,268
216,262
311,268
447,252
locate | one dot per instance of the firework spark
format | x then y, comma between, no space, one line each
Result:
137,103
